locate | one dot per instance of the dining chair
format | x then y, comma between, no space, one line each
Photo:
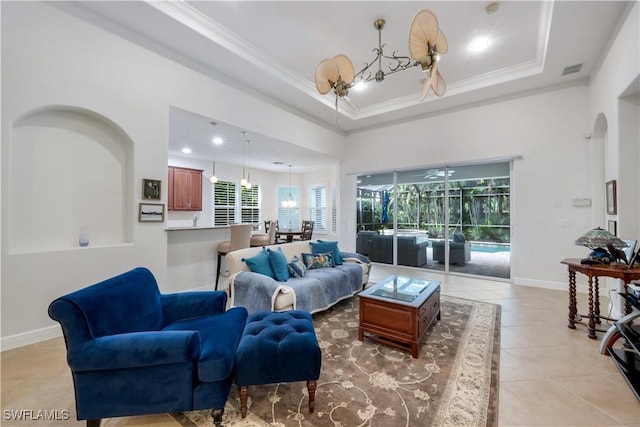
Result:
307,230
240,239
279,237
264,239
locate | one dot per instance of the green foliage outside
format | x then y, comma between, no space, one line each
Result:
480,208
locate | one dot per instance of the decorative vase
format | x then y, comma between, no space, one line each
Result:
83,237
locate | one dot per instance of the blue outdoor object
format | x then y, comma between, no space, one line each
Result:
384,217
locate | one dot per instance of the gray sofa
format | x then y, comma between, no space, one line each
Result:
318,290
459,252
410,252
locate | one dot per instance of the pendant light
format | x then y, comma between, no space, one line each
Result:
246,178
215,141
290,202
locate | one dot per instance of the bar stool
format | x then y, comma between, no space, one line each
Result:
240,239
264,239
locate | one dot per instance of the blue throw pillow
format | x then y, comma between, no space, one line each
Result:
279,264
297,268
259,263
312,261
323,246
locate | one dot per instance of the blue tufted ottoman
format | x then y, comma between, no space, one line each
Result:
277,347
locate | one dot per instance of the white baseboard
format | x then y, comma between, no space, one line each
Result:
31,337
43,334
558,286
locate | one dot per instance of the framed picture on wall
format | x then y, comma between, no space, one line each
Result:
612,201
151,189
612,227
151,212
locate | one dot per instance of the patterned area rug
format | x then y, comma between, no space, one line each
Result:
454,382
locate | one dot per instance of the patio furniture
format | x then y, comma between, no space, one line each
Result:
410,252
363,241
459,250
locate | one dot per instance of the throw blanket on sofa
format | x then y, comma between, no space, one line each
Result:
317,290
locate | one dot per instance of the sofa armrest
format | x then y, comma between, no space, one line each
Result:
255,291
355,257
135,350
183,305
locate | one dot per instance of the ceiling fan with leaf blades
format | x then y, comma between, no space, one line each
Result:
434,174
426,44
336,73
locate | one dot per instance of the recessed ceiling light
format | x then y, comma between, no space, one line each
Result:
479,44
217,140
186,150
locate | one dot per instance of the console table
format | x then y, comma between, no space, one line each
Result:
614,270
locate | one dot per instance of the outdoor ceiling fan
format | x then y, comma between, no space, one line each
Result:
426,44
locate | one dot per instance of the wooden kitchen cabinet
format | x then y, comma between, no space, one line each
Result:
185,189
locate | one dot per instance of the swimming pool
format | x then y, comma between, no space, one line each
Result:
490,247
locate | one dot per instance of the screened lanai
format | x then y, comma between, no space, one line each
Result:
454,219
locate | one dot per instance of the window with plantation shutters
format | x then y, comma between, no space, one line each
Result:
318,207
334,209
289,217
224,203
250,205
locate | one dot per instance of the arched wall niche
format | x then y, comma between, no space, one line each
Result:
598,142
69,167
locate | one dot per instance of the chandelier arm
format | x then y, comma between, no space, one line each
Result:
401,62
360,74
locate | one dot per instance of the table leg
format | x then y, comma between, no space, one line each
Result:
627,304
597,302
573,308
592,323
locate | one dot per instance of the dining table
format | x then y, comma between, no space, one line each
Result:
288,234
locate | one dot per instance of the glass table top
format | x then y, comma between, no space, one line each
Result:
402,288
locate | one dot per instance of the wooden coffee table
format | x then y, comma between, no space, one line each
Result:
398,311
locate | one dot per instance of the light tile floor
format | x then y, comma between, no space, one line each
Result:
549,375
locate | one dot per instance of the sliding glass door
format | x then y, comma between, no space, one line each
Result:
454,218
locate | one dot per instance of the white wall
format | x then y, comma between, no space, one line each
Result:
615,93
546,129
51,58
614,97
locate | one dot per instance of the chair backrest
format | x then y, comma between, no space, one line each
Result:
240,236
272,234
307,230
267,224
129,302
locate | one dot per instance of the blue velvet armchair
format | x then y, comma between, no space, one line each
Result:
135,351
